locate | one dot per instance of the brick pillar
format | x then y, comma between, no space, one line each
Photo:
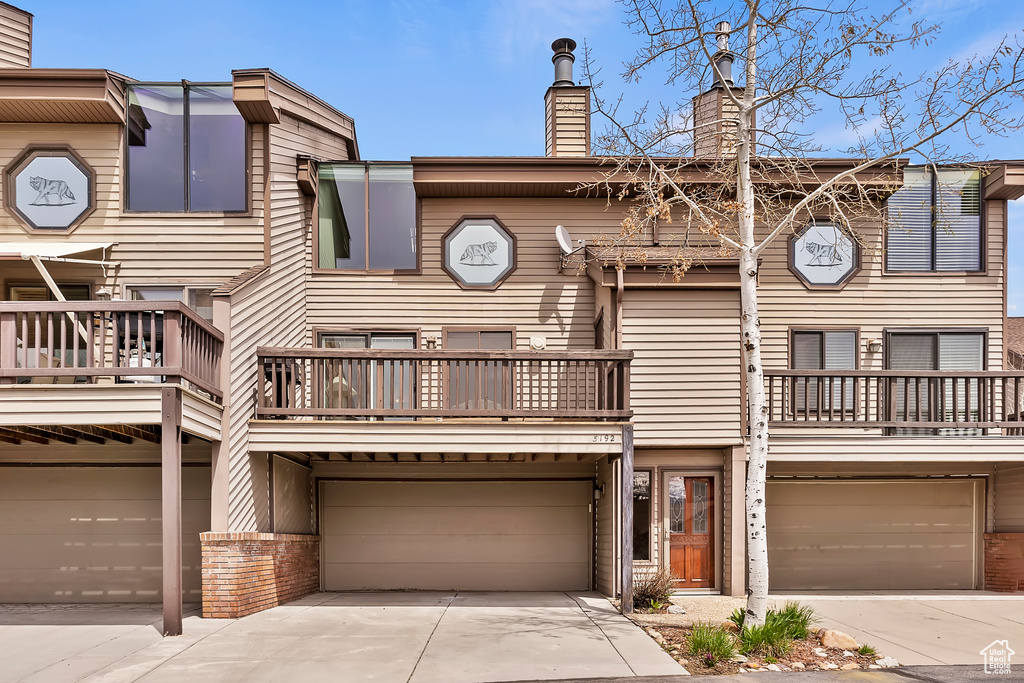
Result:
1004,562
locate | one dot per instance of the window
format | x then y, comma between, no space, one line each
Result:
824,350
939,399
186,149
367,217
198,298
368,384
935,222
479,384
641,515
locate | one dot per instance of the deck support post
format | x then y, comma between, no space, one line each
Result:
219,486
170,488
627,518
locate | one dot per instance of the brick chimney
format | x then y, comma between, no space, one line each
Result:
566,107
715,116
15,37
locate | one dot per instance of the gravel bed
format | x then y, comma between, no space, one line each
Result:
704,608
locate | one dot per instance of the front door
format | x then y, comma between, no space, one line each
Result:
690,527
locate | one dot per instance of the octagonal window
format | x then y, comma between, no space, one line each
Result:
479,253
823,255
50,189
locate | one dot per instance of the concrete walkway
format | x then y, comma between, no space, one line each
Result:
923,629
403,637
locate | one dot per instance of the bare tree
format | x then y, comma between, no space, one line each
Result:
700,177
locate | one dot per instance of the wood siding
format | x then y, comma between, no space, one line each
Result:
152,248
1009,499
685,375
271,309
604,531
536,298
293,498
15,38
567,122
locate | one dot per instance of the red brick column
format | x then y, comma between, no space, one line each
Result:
1004,562
247,572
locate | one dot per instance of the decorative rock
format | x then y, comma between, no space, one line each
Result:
821,632
821,653
658,638
850,666
730,626
798,665
676,609
847,653
753,665
773,667
830,665
886,662
874,666
742,670
739,659
838,640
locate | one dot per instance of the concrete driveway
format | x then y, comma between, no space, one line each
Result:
922,629
407,637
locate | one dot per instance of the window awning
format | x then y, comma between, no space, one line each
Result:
55,251
37,252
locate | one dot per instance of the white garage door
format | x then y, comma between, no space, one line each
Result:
92,534
900,535
466,535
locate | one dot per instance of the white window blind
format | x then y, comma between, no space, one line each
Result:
934,222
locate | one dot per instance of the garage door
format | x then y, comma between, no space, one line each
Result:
92,534
914,535
467,535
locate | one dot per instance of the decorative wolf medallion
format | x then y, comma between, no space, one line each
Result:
824,256
479,253
49,189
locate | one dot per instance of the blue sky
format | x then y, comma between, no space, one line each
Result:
425,77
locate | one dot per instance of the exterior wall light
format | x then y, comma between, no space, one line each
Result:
874,346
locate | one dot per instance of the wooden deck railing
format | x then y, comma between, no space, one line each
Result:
143,341
897,400
378,384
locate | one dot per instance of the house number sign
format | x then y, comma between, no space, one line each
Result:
479,253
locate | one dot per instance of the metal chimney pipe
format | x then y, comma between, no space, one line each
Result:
724,57
563,59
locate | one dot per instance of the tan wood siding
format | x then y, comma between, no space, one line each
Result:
270,310
873,301
898,535
480,535
293,498
1009,499
685,379
872,448
81,534
536,298
152,248
15,38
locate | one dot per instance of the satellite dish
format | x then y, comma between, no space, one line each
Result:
564,240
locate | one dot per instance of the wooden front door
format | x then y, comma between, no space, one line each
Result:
690,527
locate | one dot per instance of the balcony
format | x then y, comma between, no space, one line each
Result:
898,402
90,342
397,385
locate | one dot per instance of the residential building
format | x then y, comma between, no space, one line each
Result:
240,363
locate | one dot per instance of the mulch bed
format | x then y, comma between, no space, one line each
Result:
802,652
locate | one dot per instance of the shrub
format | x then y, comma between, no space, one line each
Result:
710,644
867,651
737,617
795,617
652,588
770,639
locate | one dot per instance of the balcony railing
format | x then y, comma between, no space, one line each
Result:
67,342
899,401
395,384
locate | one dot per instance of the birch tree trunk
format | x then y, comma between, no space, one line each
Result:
750,328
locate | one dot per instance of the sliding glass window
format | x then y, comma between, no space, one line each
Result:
186,149
367,217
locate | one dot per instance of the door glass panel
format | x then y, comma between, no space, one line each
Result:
641,515
700,506
676,505
478,385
